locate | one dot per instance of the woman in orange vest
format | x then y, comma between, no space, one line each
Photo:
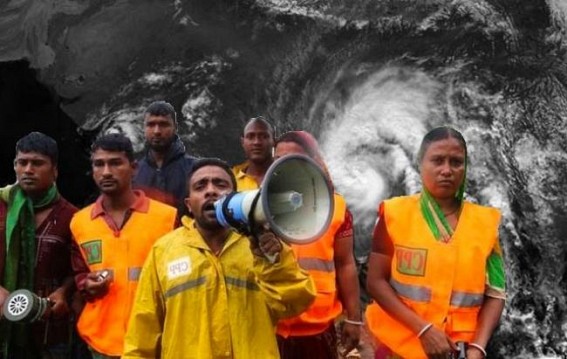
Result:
436,271
330,262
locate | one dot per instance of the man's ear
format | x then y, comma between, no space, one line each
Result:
189,212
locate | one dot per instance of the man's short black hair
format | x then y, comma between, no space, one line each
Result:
40,143
114,142
202,162
161,108
261,120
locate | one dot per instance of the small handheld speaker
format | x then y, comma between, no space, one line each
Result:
24,306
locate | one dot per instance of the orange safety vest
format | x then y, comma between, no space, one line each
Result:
318,258
443,283
103,323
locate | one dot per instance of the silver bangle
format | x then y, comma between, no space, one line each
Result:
424,329
479,347
354,322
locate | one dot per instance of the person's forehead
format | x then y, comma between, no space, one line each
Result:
256,126
445,144
289,146
31,156
100,153
157,118
210,172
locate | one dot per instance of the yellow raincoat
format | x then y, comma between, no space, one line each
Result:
191,303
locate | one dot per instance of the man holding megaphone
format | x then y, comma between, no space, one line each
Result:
206,291
296,200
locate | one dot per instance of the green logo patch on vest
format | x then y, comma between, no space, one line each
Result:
93,251
411,261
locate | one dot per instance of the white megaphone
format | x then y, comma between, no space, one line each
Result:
295,200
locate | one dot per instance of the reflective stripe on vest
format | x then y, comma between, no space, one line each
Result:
466,300
184,286
423,294
237,282
413,292
317,264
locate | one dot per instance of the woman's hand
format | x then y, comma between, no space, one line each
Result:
350,336
474,353
436,344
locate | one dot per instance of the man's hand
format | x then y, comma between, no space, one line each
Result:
268,246
96,286
3,295
436,344
350,336
59,306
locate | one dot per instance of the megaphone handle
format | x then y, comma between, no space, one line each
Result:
251,219
271,258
